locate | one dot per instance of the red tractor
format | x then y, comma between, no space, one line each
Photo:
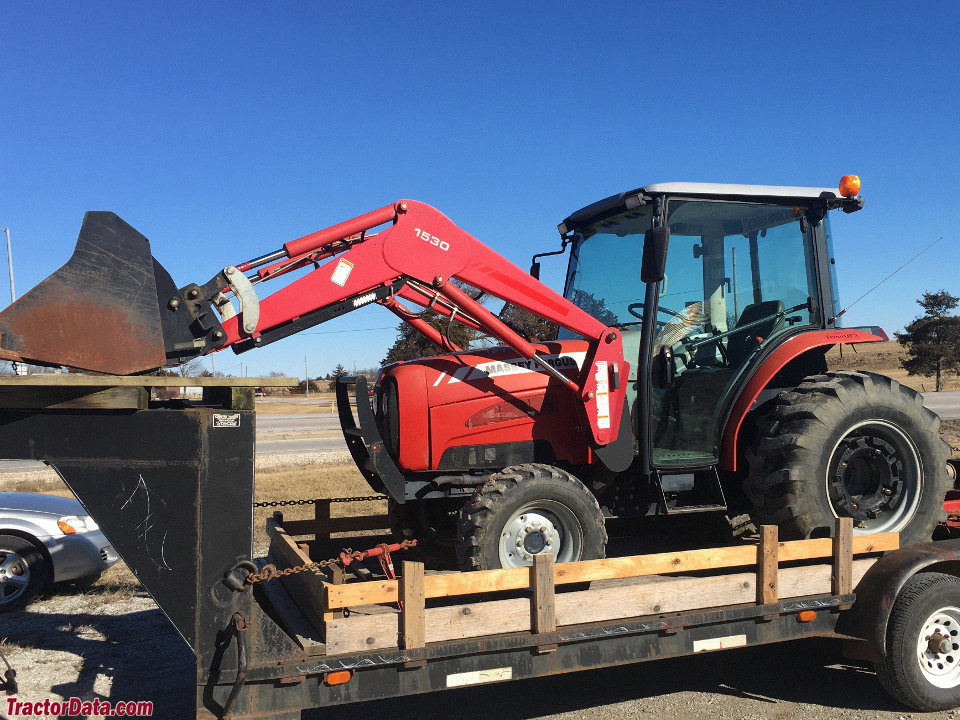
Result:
688,374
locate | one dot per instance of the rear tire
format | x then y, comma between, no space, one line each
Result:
23,572
848,444
527,509
921,666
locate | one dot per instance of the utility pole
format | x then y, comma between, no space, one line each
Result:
18,368
306,377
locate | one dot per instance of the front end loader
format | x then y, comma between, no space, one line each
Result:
687,374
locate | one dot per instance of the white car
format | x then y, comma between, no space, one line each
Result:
46,539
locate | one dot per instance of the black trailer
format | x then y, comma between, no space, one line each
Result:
172,485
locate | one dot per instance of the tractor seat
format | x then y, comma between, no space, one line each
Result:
741,344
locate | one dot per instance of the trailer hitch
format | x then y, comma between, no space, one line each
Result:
236,579
9,684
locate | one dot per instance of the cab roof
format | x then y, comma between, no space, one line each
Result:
719,191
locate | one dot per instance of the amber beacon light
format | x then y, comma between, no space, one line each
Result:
850,185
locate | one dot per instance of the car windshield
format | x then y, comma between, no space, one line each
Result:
603,277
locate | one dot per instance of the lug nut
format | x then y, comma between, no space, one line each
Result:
193,294
887,491
174,303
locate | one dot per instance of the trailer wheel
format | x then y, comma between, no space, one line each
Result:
921,666
528,509
432,523
848,444
23,572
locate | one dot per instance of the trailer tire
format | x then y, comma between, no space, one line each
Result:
425,522
23,572
526,509
921,665
847,444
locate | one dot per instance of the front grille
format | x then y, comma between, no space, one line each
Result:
389,416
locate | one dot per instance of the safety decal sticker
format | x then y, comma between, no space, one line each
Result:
341,272
226,420
603,395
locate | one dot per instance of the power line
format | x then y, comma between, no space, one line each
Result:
334,332
889,276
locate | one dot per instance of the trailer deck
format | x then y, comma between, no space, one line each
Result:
172,485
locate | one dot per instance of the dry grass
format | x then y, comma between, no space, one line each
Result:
950,431
296,405
883,358
307,483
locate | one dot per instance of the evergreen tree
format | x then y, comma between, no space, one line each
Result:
410,344
932,340
532,327
337,372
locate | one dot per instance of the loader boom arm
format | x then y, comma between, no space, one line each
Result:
415,258
112,308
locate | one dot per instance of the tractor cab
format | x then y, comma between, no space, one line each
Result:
746,267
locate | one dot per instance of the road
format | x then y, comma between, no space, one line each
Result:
945,404
293,434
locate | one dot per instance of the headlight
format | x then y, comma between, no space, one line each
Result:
73,524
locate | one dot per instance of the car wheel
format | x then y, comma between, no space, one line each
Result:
921,666
23,572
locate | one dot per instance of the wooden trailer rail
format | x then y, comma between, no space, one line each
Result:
639,585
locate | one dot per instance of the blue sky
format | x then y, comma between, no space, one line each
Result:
221,130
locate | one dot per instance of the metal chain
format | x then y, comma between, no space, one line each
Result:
346,556
284,503
270,571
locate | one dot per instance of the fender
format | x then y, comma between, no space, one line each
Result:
879,588
775,362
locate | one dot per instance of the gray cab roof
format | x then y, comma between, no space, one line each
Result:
729,189
630,199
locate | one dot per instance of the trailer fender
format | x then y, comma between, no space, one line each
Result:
878,590
767,370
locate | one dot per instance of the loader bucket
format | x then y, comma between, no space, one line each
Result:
98,312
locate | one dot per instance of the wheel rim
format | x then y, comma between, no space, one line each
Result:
875,477
542,526
14,576
938,648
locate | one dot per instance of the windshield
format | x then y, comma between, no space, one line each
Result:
603,278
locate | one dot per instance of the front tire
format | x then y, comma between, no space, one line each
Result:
848,444
921,666
23,572
528,509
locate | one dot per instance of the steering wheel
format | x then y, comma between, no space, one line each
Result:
633,307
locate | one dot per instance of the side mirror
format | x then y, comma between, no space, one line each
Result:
535,270
654,263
